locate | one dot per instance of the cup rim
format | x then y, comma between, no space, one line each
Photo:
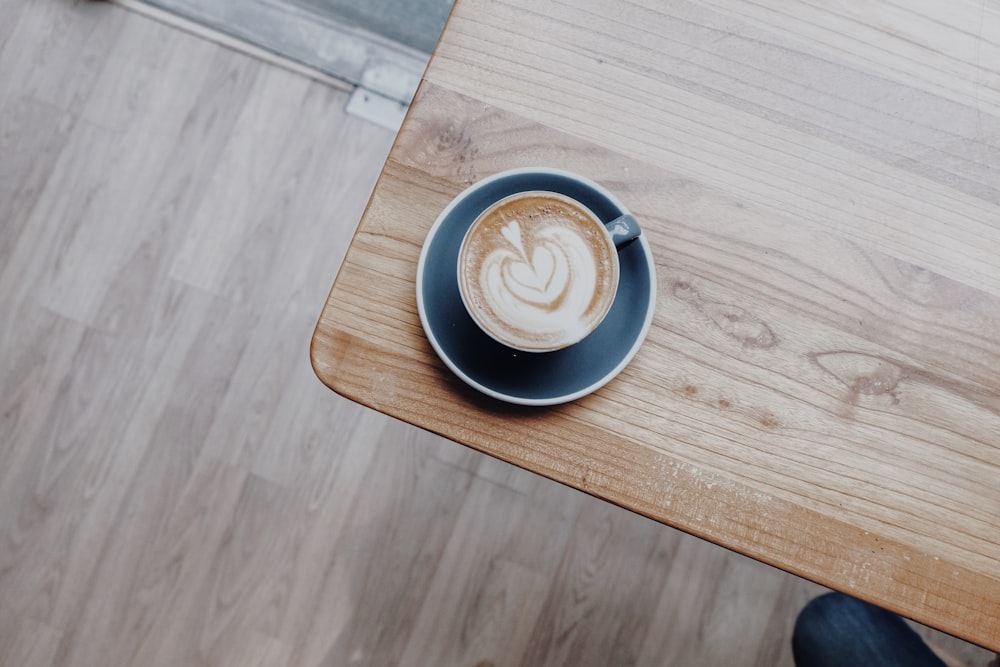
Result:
609,242
487,181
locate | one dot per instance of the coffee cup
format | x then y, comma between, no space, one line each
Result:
538,271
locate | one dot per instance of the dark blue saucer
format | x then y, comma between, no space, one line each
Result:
531,378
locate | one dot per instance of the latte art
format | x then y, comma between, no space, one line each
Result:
556,276
538,271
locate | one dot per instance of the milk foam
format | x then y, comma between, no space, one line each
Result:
540,272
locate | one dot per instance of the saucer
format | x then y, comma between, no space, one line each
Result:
531,378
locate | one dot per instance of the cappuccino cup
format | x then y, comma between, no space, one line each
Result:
538,271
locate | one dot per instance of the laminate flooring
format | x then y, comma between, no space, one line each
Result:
176,487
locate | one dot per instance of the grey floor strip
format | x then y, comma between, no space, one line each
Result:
348,52
414,23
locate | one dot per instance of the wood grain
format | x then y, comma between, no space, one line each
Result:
752,125
819,387
176,488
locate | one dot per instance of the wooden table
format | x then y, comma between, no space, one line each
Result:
820,185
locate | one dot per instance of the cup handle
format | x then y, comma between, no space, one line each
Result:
623,229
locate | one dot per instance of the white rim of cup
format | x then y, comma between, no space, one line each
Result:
551,400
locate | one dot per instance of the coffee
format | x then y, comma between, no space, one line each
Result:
538,271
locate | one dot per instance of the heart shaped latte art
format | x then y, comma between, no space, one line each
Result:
538,271
542,282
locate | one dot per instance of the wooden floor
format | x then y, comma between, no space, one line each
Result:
176,487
